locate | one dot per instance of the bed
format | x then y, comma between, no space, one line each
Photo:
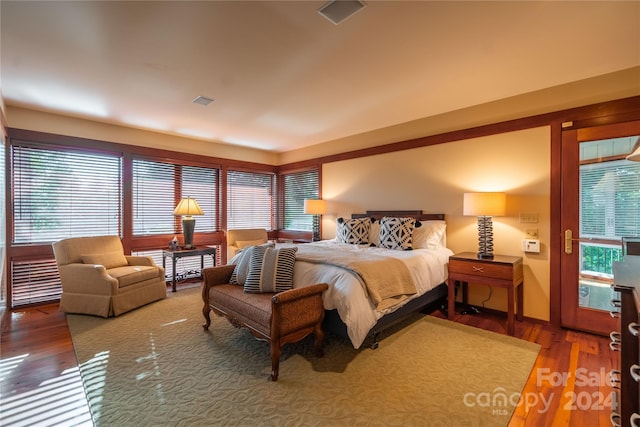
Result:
356,311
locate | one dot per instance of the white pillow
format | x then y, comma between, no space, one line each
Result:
430,235
374,233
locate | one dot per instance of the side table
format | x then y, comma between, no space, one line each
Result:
501,271
175,255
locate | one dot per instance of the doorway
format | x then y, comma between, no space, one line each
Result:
600,192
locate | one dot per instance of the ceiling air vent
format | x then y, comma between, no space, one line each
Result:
337,11
202,100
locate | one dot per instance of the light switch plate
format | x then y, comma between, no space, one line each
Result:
528,217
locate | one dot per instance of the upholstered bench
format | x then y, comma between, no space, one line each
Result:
278,318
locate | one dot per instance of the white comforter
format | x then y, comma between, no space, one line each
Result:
346,294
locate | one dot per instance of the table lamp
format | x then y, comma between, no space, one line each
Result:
188,207
484,206
315,207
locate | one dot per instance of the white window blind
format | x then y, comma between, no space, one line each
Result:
250,200
34,281
153,190
298,186
610,199
202,184
59,194
158,186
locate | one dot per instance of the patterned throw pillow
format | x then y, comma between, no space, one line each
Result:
242,260
270,270
395,233
354,231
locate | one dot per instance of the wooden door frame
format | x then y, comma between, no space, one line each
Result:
588,128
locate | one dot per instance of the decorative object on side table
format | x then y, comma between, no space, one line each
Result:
484,206
315,207
188,207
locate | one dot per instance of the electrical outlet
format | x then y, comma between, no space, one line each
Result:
528,217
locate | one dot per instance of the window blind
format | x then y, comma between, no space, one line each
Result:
158,187
153,190
34,281
298,186
610,199
202,184
250,200
60,194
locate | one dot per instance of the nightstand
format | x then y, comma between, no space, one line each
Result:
501,271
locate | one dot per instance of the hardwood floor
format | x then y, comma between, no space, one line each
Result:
40,384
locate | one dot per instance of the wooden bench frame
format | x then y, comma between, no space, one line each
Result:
293,314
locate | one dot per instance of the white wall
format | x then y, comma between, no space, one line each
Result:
434,179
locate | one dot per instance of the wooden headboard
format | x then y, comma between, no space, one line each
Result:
417,214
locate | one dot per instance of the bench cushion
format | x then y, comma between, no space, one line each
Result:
254,310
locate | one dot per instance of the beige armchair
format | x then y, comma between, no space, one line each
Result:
241,238
98,278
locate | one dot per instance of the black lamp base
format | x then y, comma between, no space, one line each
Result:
188,226
485,237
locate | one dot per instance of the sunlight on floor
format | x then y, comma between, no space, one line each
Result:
152,374
56,402
95,375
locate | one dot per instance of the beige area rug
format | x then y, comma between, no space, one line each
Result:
156,366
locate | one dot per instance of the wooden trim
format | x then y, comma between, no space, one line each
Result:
416,214
555,241
616,111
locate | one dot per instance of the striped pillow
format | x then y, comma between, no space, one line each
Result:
270,270
242,259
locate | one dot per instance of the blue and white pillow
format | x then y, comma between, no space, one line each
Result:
354,231
396,233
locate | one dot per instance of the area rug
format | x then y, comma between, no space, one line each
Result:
156,366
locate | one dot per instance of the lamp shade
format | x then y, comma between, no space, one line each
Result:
635,156
315,206
484,204
188,206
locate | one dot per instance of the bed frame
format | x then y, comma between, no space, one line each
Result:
432,300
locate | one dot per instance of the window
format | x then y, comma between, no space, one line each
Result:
250,200
60,194
609,203
157,188
298,186
202,184
610,199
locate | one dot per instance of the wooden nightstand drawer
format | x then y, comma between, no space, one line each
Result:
501,271
480,269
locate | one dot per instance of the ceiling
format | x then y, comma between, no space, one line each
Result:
284,77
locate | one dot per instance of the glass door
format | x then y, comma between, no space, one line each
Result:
600,207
